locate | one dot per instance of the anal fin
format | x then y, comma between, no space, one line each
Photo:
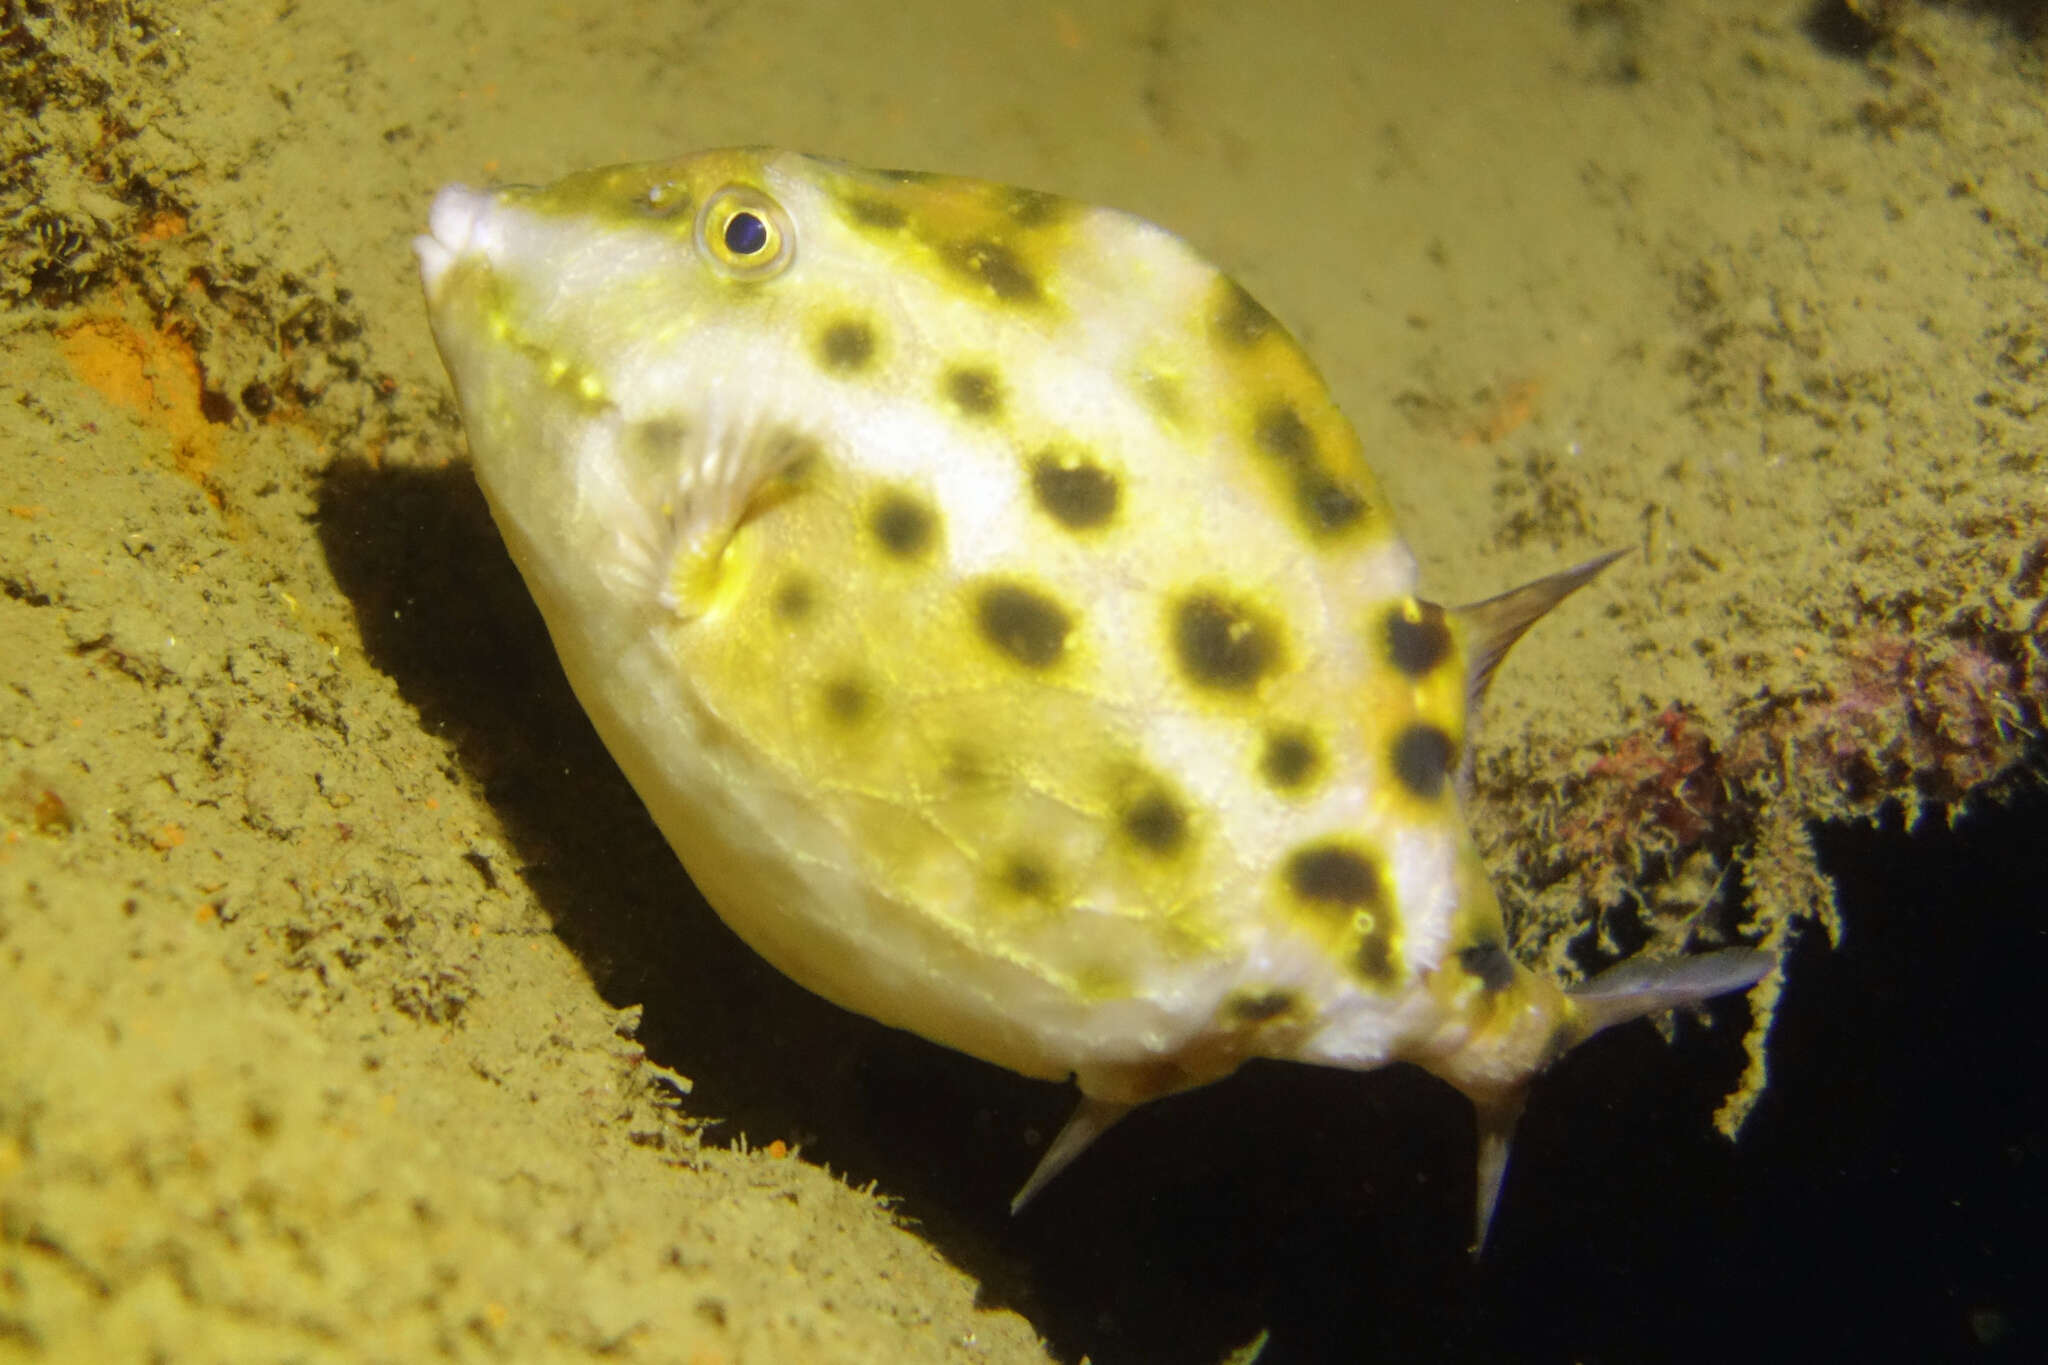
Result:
1497,1119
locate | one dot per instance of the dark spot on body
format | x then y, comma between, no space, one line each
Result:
1490,963
904,524
1241,321
1163,395
846,345
964,766
869,211
1334,875
996,266
1280,431
1418,638
1156,822
1027,875
1422,757
1024,623
1327,504
1374,959
794,598
1343,886
1290,759
1034,208
1261,1006
847,700
974,390
1077,494
1223,644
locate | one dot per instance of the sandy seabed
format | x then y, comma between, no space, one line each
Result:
352,1008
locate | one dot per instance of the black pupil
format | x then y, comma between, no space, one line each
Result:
745,234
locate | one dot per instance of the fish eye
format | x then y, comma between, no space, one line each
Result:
744,235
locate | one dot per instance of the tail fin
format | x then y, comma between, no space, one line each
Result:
1637,988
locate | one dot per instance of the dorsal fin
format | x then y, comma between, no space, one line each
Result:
1492,626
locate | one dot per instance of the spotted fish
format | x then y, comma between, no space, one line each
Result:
1001,622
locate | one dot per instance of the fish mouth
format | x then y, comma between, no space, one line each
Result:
453,227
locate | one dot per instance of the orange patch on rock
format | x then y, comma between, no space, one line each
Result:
154,374
165,225
1508,412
